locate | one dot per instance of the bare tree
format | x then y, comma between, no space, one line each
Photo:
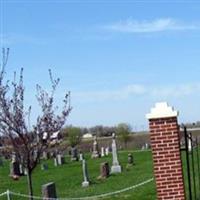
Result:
28,143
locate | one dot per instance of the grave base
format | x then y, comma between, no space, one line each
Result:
85,184
116,169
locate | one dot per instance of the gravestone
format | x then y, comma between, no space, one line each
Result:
25,172
102,152
61,159
74,154
95,151
104,170
85,182
116,168
44,166
81,157
55,162
21,169
49,191
130,161
44,155
107,151
35,154
14,169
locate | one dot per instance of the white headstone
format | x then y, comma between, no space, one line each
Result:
21,169
55,162
85,182
102,152
25,172
116,168
107,151
80,156
190,142
95,153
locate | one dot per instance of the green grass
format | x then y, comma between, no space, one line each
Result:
68,178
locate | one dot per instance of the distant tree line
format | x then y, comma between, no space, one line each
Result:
98,130
193,124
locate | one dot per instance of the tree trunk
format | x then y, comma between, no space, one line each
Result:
30,186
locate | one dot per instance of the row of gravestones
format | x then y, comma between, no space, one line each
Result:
95,150
17,170
49,190
59,159
104,167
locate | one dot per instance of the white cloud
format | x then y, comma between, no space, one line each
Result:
10,39
176,91
134,90
157,25
121,93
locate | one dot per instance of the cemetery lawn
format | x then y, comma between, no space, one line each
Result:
68,178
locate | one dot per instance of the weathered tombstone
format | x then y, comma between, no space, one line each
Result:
44,166
60,159
104,170
74,154
14,169
130,159
143,147
49,191
21,169
81,157
55,162
46,155
116,168
35,154
85,182
95,152
102,152
107,151
25,172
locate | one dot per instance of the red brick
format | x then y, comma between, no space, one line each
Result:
164,136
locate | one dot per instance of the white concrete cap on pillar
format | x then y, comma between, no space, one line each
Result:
162,110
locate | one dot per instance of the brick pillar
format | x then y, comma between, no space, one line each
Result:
164,135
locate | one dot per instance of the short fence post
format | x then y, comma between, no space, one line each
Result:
8,195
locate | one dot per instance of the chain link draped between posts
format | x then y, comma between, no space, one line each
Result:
10,193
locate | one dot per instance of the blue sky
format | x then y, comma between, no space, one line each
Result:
118,58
